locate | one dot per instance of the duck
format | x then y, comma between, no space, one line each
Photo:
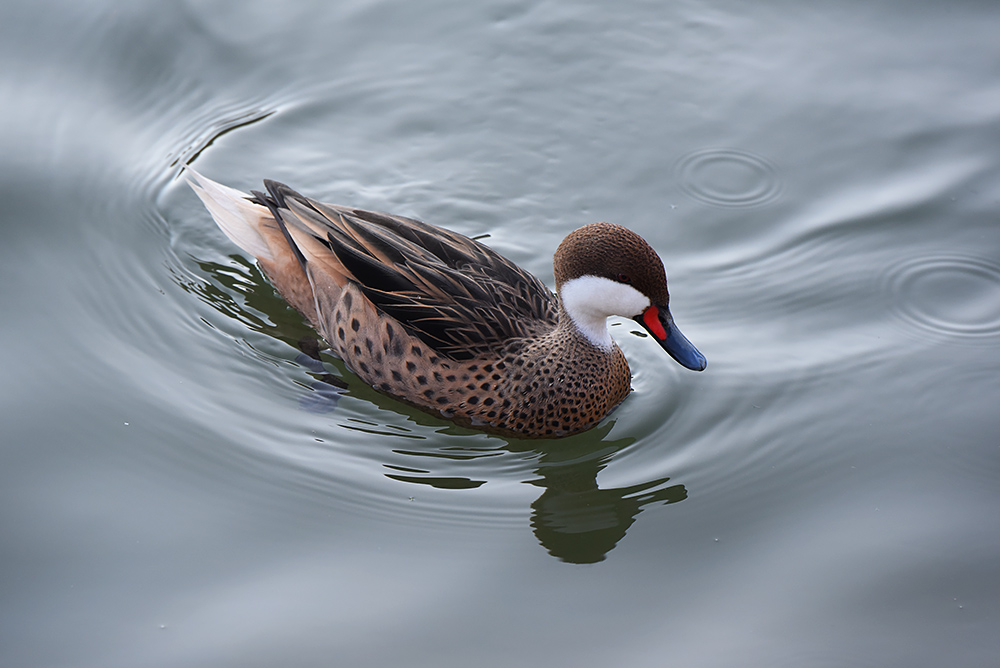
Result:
446,324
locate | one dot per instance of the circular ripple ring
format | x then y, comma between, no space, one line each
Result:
950,295
728,177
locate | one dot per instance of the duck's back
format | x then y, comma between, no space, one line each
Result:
459,297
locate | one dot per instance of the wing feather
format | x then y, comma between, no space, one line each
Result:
457,295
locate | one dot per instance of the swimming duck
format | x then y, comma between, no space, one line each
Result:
446,324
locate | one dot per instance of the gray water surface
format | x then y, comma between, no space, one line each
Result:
181,486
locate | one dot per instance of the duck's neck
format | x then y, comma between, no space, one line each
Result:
589,331
588,301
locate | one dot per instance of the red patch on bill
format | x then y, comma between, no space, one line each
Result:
651,317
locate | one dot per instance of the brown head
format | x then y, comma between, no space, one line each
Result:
605,269
613,252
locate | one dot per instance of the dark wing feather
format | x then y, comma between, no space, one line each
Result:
458,296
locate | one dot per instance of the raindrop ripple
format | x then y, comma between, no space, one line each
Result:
955,296
728,177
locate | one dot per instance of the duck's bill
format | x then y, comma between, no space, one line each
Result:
658,322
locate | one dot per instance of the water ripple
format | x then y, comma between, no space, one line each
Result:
728,177
952,296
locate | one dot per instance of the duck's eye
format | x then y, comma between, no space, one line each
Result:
623,278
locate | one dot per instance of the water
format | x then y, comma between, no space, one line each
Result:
181,486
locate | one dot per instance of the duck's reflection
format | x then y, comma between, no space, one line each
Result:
578,522
574,518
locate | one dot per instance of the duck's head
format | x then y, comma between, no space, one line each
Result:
605,269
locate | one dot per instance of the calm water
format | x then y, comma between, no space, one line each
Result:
180,487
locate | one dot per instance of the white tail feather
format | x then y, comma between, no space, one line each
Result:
234,215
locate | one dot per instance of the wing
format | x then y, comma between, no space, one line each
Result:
458,296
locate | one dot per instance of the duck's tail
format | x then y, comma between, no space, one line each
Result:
252,227
235,214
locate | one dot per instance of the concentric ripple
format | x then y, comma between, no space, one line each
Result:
955,296
728,177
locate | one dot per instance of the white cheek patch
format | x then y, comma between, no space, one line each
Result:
590,300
